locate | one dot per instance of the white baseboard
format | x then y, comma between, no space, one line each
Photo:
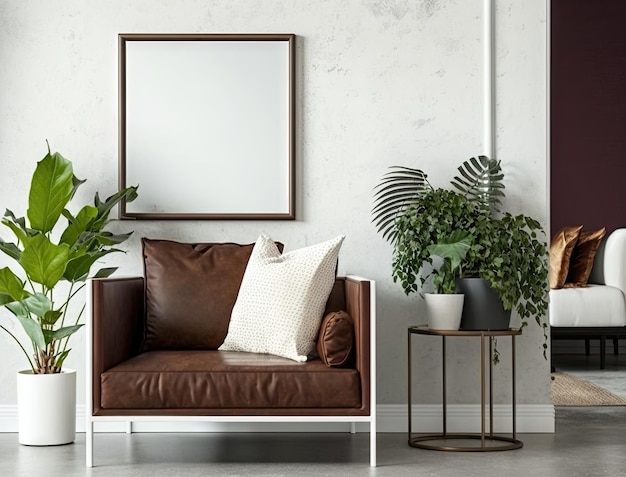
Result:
391,418
427,418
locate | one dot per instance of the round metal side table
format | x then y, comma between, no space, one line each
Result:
486,441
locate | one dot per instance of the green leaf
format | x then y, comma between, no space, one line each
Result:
78,268
60,358
105,272
51,189
397,190
108,239
56,335
51,317
104,208
453,248
43,261
21,222
11,286
65,332
480,180
10,249
33,330
38,303
76,183
19,233
79,224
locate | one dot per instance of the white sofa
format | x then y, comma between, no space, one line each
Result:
597,311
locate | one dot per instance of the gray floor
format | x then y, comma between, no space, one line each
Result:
571,359
589,442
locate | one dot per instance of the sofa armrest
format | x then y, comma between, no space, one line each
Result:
360,305
614,260
115,327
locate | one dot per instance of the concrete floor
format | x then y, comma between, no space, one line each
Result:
589,442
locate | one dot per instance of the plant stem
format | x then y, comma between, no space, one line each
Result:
66,304
67,339
20,345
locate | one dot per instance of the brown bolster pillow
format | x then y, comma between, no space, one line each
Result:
335,340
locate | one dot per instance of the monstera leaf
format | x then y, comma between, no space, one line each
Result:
480,180
453,248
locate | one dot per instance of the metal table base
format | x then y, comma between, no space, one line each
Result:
485,441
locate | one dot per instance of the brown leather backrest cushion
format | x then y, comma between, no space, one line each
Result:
561,248
190,291
337,298
581,261
335,341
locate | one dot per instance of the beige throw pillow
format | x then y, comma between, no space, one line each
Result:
282,298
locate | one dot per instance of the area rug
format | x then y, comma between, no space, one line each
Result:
569,390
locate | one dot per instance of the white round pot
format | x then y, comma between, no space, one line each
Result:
444,311
46,408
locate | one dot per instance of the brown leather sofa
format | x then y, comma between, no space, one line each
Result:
128,382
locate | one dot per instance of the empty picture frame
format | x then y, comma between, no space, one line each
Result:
207,125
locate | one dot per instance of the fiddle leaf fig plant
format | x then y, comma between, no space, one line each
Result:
51,272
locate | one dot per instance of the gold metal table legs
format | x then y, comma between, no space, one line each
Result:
488,441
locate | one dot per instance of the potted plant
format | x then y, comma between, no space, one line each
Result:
444,308
53,264
506,253
430,228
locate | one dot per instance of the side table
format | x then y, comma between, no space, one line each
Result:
488,441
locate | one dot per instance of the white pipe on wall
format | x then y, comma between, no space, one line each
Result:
489,108
548,113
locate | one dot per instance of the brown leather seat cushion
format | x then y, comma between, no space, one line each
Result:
226,379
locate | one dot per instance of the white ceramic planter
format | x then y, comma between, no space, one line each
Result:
46,408
444,311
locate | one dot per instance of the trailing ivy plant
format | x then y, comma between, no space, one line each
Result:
32,294
437,223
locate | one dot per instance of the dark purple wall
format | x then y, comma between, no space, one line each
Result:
588,113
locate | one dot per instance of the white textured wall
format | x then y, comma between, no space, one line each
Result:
380,83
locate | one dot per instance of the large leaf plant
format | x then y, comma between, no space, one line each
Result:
36,295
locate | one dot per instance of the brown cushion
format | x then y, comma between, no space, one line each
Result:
225,380
335,340
561,248
337,298
190,292
581,261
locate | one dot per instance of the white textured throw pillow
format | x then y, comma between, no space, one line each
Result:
282,298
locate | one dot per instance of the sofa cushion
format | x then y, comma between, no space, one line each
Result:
335,340
595,305
582,258
336,298
561,248
223,380
190,292
282,299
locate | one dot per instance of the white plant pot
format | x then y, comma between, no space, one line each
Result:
444,311
46,408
